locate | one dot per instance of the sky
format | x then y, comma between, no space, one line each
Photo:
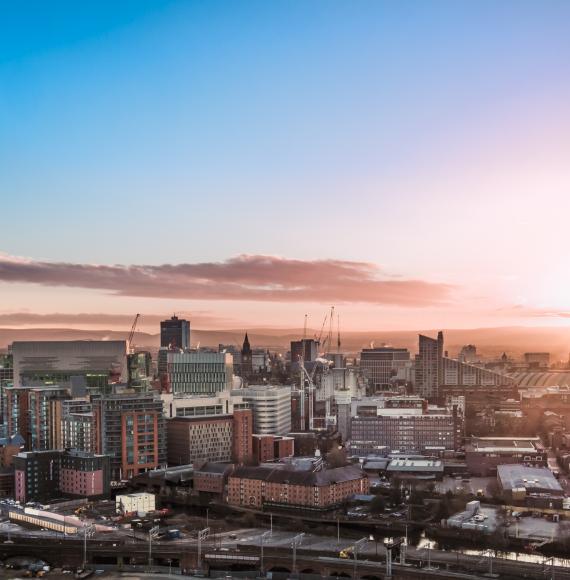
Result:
249,162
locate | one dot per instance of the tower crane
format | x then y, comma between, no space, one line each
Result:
132,334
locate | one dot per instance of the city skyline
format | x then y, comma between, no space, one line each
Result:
385,160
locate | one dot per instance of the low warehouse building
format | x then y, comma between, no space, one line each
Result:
533,486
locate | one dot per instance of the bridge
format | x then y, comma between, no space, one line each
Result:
183,555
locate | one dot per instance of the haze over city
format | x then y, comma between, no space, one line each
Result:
247,163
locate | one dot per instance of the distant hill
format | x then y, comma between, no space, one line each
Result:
489,341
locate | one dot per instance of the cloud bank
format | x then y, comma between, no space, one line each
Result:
245,277
103,319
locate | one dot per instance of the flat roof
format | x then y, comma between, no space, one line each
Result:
415,465
505,444
517,476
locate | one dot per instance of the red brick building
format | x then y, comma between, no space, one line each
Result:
211,478
272,447
242,451
320,490
210,438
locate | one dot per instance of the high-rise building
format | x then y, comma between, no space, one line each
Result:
199,439
128,426
271,408
6,368
132,432
429,366
35,413
198,373
384,366
139,370
78,425
305,349
205,439
242,435
175,333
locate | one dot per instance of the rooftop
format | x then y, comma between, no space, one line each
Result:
530,478
416,465
505,444
311,478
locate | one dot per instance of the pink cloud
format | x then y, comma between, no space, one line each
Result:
533,312
245,277
104,319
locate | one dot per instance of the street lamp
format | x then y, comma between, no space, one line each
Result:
357,545
152,533
551,562
87,531
296,542
202,535
428,548
373,539
262,538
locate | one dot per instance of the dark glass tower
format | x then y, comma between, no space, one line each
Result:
175,333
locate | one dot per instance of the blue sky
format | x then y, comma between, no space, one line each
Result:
170,132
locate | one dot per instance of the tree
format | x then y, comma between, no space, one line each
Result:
337,457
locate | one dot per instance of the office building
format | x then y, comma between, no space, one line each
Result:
99,362
271,408
235,351
224,403
386,366
198,373
437,376
210,439
401,423
305,349
175,333
537,360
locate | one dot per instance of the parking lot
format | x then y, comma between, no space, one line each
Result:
465,484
